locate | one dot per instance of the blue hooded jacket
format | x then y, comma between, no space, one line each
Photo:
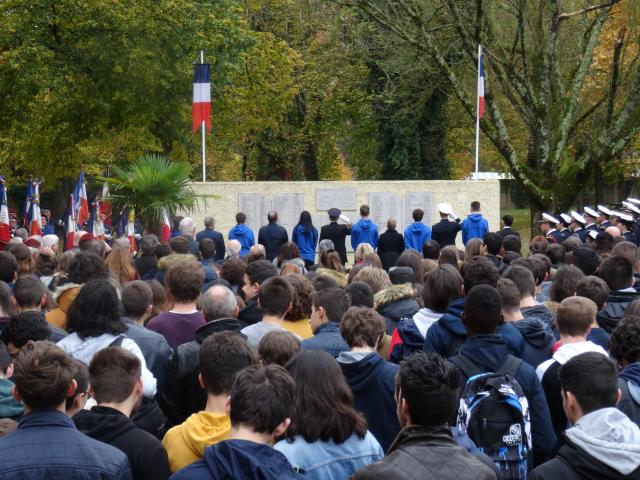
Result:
538,340
489,352
306,241
447,335
415,235
372,381
239,459
474,226
244,235
364,231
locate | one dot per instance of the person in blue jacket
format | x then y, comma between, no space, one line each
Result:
475,225
305,236
364,231
417,233
243,234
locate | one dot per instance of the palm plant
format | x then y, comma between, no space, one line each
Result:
150,184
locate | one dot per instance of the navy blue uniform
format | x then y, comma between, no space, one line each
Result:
581,233
554,236
445,232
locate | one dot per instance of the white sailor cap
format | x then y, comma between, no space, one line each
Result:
630,206
635,201
605,210
625,217
593,234
546,218
444,208
577,217
566,218
591,212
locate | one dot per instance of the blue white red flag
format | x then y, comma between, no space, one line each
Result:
5,229
81,206
27,204
71,223
201,96
480,84
131,230
35,217
166,226
95,226
105,205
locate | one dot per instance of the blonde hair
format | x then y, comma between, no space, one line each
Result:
362,251
376,278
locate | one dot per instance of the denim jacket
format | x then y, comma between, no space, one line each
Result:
330,461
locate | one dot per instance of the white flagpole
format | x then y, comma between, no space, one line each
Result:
478,115
204,142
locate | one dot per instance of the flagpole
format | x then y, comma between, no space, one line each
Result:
478,115
204,153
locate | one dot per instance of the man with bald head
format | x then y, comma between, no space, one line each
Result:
184,397
613,231
272,236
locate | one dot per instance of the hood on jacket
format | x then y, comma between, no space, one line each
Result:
84,350
392,294
488,351
541,312
424,318
610,437
452,320
570,350
220,325
341,278
365,223
65,294
103,423
417,227
475,217
9,406
174,258
245,459
534,331
360,372
240,230
200,428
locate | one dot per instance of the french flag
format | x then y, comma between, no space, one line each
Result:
71,223
95,225
166,226
480,83
131,230
201,96
5,229
27,205
82,202
105,205
35,217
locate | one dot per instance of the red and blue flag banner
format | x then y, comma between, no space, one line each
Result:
95,225
5,229
201,96
35,217
166,226
81,207
480,83
71,223
131,230
27,204
105,205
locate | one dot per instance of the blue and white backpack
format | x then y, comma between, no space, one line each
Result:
495,413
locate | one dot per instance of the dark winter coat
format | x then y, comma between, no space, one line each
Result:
272,236
218,240
538,340
337,233
251,313
617,303
326,338
395,303
444,232
390,247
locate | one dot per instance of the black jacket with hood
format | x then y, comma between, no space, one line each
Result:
538,340
617,303
395,303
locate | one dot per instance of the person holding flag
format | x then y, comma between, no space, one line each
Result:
34,218
27,204
81,207
71,224
5,228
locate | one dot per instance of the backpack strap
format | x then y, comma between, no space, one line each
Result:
118,341
466,365
510,365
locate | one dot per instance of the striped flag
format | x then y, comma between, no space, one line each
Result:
480,83
71,223
5,229
95,225
27,205
82,212
131,230
166,226
201,96
35,217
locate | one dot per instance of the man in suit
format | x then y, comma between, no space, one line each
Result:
390,245
507,222
444,232
218,240
272,236
336,232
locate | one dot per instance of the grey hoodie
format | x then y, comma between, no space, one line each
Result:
610,437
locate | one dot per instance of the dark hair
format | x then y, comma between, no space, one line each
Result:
207,248
431,249
87,266
184,280
305,221
334,301
575,315
176,222
303,292
287,251
8,267
449,255
159,299
222,355
322,281
430,386
324,402
509,293
555,253
617,272
5,359
278,348
179,245
604,242
625,340
475,206
628,250
593,288
509,257
232,270
592,378
411,258
523,279
42,375
272,216
23,257
441,286
262,398
259,271
241,217
418,215
586,259
331,260
508,220
538,244
96,310
28,291
161,250
81,376
275,296
479,272
148,243
483,310
364,210
535,265
565,283
545,262
25,327
360,294
362,327
493,242
5,298
113,373
136,297
512,243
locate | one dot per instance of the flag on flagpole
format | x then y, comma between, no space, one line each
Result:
105,205
35,217
131,230
480,83
27,205
95,225
81,206
201,96
71,223
5,229
166,226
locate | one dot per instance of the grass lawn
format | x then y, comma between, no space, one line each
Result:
521,223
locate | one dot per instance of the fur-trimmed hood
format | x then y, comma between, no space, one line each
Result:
341,278
62,289
165,262
393,294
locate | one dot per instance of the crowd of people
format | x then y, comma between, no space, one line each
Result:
202,358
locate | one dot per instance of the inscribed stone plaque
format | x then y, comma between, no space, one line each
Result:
383,206
255,206
342,198
288,206
423,200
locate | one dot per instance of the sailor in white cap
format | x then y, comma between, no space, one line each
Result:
635,201
625,226
548,228
565,221
603,217
577,226
631,207
446,230
590,216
